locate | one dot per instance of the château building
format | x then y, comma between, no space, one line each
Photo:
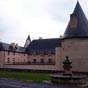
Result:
48,54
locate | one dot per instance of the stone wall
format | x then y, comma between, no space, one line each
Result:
77,51
2,59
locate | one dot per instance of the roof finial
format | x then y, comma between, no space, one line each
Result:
77,1
28,37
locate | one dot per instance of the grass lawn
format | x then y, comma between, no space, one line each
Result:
27,76
87,78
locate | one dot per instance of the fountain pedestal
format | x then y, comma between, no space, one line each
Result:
68,77
67,67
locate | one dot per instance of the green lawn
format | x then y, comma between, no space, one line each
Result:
27,76
87,78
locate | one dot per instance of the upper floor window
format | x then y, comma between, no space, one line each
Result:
8,52
13,53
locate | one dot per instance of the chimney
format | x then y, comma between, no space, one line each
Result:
60,36
73,20
13,45
16,46
40,38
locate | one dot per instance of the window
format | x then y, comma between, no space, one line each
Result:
13,60
41,53
24,60
34,52
63,48
13,53
42,60
49,53
18,60
49,60
34,60
8,61
8,52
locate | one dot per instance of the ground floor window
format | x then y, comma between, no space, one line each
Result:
8,61
42,60
34,60
49,60
13,60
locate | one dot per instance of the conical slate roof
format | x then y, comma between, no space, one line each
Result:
78,20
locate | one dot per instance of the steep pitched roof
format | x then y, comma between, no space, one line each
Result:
6,47
44,45
81,29
1,47
28,38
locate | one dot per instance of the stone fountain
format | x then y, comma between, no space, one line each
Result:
67,77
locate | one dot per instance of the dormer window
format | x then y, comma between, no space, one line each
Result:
34,53
73,21
49,52
41,53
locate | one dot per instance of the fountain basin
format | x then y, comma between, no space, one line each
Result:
74,79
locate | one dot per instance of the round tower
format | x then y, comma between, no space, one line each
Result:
75,40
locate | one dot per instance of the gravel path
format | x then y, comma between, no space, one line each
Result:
13,83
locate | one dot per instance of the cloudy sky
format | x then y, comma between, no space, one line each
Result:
37,18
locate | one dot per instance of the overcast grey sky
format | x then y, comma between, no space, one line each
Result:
38,18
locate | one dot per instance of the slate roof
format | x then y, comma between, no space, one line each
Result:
81,30
43,45
6,47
